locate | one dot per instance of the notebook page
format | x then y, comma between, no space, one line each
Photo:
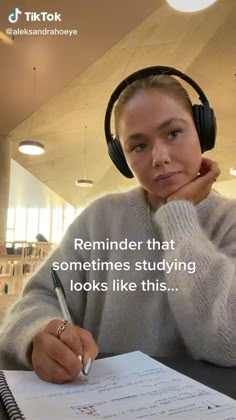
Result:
122,387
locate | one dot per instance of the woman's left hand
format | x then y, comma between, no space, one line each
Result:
198,189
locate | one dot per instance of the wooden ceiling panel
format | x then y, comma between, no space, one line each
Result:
200,44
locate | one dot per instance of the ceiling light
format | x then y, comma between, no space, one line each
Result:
233,171
30,147
5,39
190,5
84,183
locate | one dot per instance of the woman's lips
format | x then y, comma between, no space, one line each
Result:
169,176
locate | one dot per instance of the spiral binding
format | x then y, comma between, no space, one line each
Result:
8,401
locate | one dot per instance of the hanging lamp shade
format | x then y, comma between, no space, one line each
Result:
233,171
84,182
5,39
30,147
190,5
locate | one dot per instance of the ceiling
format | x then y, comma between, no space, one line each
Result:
76,76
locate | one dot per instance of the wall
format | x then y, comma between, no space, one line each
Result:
226,188
34,208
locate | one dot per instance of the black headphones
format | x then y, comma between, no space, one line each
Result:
204,117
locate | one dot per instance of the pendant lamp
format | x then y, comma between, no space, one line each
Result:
32,147
190,5
233,171
84,182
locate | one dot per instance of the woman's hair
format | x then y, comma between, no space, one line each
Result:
163,82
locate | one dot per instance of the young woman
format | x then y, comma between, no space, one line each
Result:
160,259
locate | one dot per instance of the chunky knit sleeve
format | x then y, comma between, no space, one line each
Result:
38,304
204,305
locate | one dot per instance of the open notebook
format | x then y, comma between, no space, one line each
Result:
130,386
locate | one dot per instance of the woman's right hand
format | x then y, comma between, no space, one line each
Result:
56,360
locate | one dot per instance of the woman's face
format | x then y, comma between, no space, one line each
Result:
158,137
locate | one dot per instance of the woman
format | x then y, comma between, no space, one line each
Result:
172,218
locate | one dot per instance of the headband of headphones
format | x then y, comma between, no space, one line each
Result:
203,115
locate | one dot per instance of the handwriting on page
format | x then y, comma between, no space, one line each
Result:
122,387
155,395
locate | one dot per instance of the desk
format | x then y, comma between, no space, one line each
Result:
218,378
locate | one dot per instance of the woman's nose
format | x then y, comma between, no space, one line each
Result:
160,155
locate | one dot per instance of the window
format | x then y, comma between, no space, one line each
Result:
32,224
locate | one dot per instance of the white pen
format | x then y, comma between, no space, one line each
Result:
61,296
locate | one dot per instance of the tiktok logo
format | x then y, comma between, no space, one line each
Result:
34,17
13,17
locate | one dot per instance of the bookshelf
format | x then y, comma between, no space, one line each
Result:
18,260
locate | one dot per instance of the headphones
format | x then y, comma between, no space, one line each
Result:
203,115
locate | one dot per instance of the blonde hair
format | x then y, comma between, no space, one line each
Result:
163,82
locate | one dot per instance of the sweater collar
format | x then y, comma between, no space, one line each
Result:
141,207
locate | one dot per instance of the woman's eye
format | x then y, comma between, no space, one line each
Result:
139,147
175,133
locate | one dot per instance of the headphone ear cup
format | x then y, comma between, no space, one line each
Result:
118,158
205,123
198,125
210,126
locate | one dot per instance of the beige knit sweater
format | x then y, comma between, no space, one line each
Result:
198,318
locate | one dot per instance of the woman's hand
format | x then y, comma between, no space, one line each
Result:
56,360
198,189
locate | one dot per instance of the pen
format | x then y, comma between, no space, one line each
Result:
61,296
